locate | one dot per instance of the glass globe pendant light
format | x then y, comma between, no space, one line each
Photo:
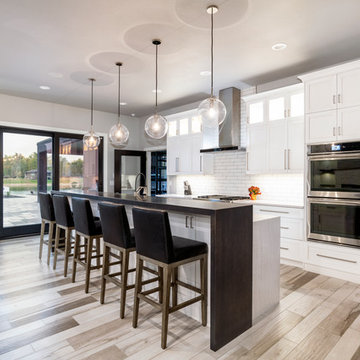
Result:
212,110
92,140
156,126
118,134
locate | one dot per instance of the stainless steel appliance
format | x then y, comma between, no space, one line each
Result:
223,198
333,203
334,171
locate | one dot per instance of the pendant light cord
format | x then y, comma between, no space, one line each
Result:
212,52
92,103
119,107
156,78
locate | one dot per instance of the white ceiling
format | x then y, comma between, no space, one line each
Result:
83,38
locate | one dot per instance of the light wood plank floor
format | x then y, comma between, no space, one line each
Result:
44,316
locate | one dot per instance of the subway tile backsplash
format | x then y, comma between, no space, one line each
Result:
230,178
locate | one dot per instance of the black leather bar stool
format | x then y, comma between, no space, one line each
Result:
155,244
47,217
89,228
118,236
64,221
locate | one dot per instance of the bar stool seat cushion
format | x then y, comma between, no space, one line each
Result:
186,248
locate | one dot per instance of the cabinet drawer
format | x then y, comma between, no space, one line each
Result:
334,258
292,249
292,228
280,211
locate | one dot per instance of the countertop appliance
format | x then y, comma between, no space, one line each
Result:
223,198
333,202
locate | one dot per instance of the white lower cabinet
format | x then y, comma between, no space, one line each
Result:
292,240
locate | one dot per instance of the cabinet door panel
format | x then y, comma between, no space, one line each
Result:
349,123
185,154
321,94
197,161
349,88
172,155
256,155
296,144
277,146
321,127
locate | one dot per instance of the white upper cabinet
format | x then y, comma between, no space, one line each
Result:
333,104
255,111
277,147
184,142
256,149
348,88
295,145
275,131
321,94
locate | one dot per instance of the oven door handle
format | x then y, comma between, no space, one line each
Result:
334,156
314,200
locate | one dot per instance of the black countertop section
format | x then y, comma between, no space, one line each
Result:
171,204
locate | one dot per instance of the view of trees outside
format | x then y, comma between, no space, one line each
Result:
71,172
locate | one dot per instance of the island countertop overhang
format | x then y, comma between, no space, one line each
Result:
171,204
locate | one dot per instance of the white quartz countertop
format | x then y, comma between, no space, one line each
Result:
280,203
261,217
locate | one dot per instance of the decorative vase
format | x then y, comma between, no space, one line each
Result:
253,196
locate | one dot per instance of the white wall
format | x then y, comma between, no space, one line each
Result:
41,115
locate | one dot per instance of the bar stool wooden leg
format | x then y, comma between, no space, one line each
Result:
174,287
138,287
204,284
124,281
105,271
57,237
165,306
161,284
50,241
67,250
42,232
76,255
88,263
97,242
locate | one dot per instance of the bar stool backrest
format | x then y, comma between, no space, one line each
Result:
83,216
153,234
63,214
115,225
46,207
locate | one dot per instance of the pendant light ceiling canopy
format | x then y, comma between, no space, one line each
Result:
92,140
212,110
118,134
156,126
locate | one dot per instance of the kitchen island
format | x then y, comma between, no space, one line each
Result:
228,230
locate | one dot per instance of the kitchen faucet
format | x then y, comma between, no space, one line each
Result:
140,190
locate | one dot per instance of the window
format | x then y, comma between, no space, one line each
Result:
256,112
277,108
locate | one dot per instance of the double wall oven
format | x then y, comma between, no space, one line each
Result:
333,203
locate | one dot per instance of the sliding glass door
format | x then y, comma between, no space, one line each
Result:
37,161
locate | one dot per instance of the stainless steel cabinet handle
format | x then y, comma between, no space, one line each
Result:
191,222
284,227
336,258
177,160
247,161
334,131
334,99
275,211
284,248
289,112
284,113
284,159
339,130
186,221
339,98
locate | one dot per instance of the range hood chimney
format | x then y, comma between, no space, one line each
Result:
229,131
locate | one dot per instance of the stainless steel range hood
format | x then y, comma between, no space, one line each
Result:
229,132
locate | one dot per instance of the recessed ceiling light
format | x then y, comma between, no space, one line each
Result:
123,103
132,115
279,46
205,73
56,75
44,87
158,91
